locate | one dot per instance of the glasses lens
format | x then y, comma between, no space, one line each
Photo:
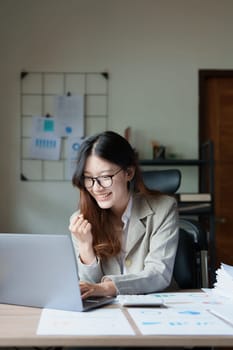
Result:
105,181
88,182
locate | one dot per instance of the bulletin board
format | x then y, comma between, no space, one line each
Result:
37,93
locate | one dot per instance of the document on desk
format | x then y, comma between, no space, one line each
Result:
179,298
183,319
104,321
225,312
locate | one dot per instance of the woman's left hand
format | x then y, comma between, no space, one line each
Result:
106,288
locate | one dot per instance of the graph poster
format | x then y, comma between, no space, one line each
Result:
73,145
45,145
69,115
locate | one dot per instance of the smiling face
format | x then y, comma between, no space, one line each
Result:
115,196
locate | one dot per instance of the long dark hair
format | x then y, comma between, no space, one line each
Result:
116,149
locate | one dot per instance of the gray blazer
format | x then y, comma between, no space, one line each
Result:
150,249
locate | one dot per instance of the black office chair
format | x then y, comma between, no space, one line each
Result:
191,263
166,181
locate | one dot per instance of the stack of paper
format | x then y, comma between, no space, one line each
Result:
224,281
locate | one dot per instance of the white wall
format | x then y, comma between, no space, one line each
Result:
152,49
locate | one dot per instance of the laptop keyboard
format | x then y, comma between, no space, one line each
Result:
94,302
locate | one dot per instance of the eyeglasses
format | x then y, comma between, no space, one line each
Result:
104,181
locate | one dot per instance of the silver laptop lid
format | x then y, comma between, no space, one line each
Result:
39,270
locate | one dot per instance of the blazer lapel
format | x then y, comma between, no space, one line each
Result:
137,225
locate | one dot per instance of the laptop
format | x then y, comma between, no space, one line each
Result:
40,270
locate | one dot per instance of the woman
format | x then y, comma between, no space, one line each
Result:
125,235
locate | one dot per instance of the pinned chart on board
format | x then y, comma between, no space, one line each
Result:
45,144
42,125
73,145
45,148
69,112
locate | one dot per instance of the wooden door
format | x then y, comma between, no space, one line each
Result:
216,124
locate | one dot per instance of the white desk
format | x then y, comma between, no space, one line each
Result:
18,326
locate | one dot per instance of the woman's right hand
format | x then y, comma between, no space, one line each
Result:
81,229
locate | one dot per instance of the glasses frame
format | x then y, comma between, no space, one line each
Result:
97,179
